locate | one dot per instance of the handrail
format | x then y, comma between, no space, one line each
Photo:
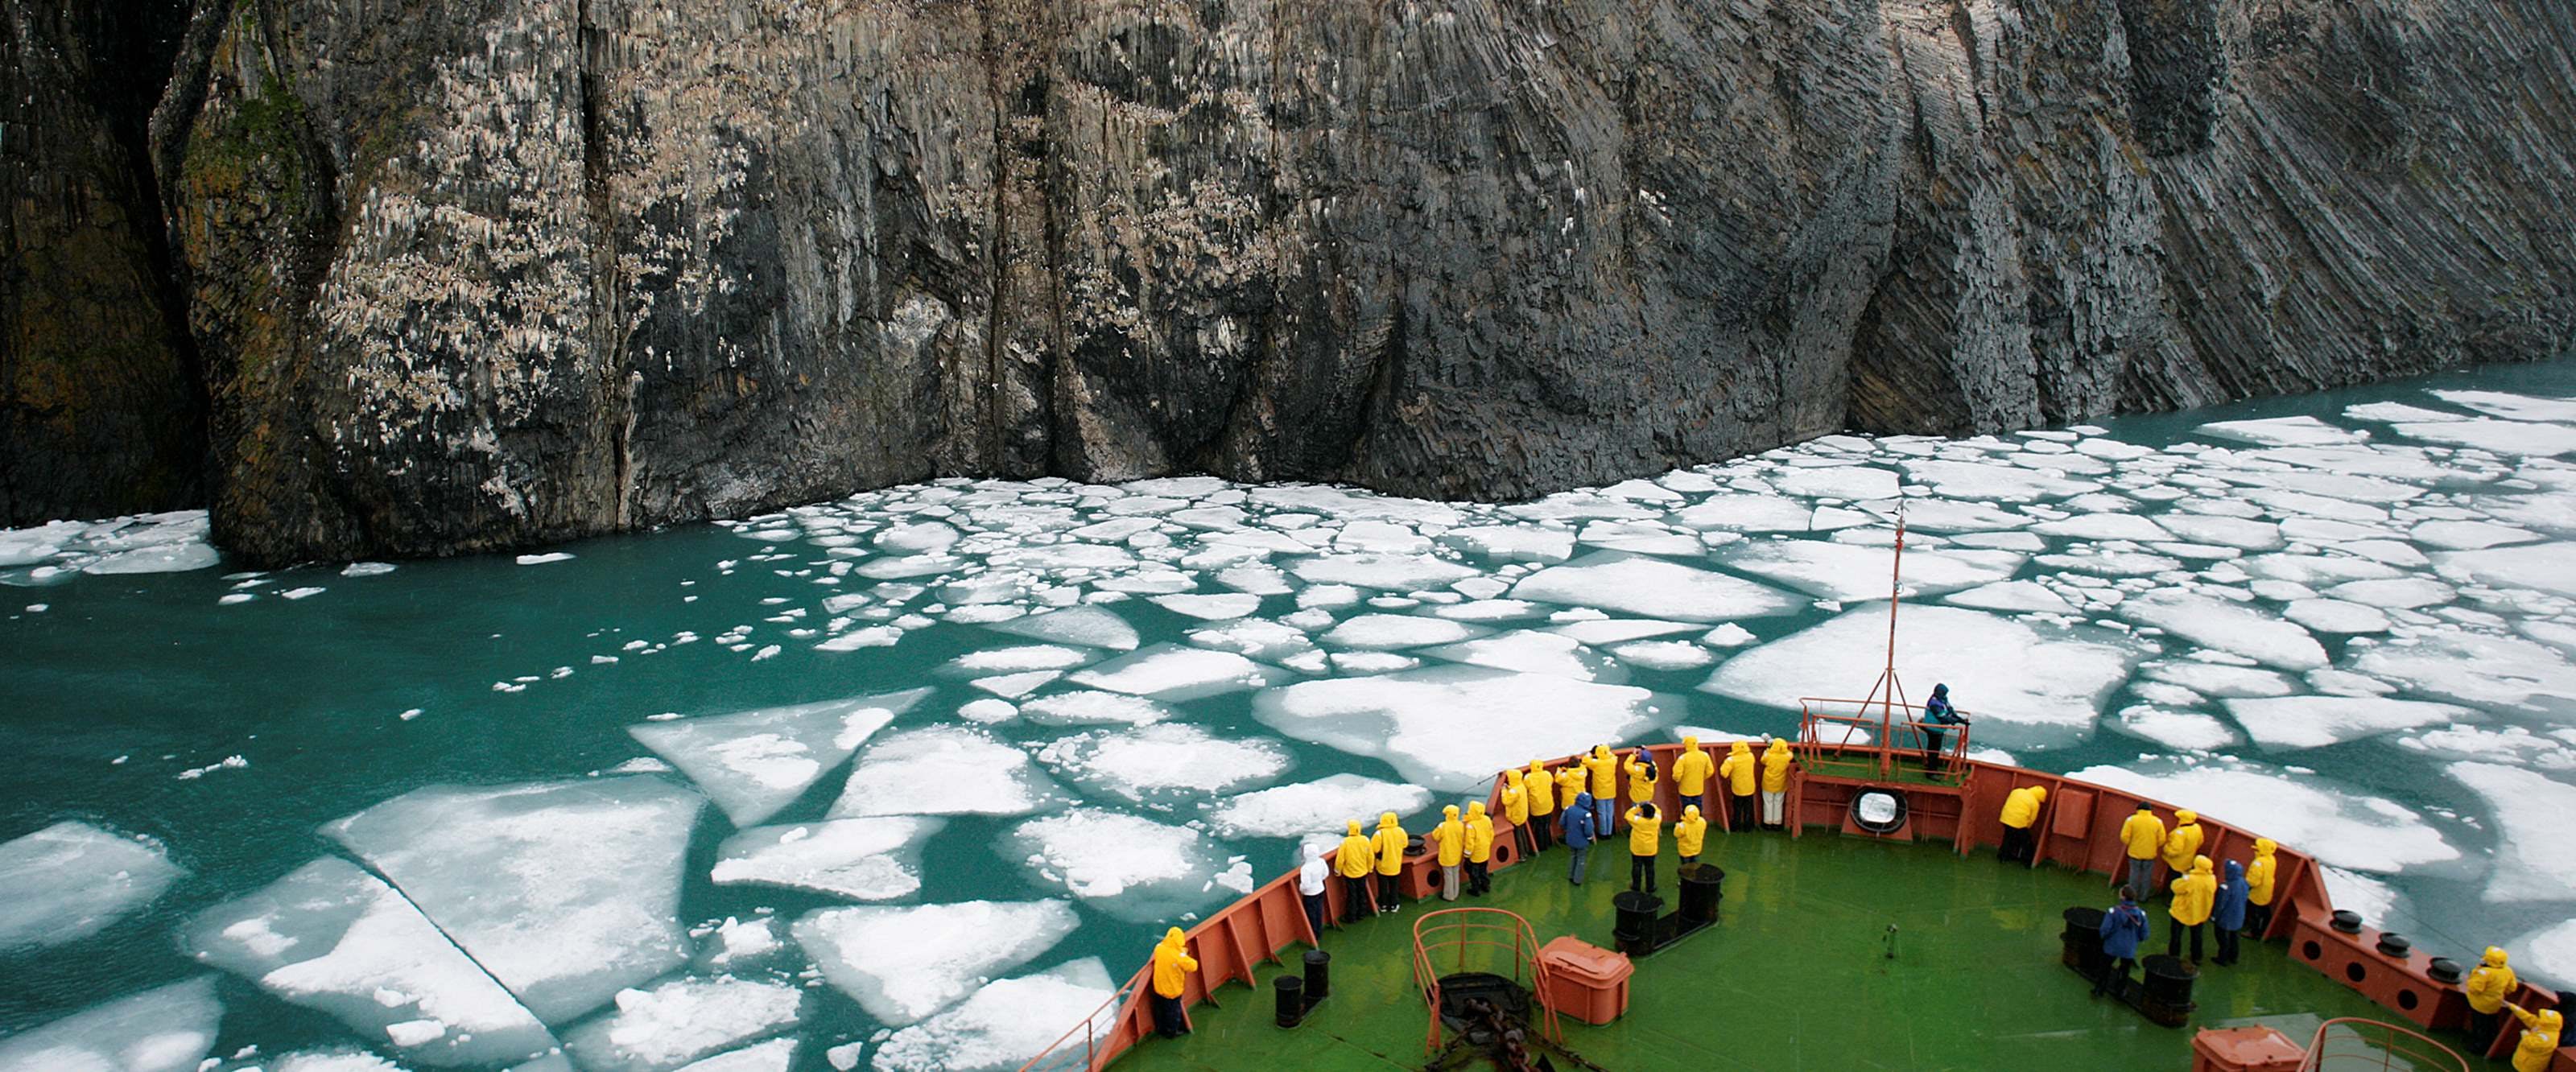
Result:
1883,749
1524,951
2394,1044
1094,1057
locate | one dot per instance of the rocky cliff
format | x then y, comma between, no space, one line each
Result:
465,274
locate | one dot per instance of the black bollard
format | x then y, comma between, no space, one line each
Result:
1634,929
1319,976
1292,999
1703,887
2167,998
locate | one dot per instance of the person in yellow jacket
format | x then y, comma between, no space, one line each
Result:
1356,860
1480,849
2539,1045
1172,967
2021,814
1542,805
2258,887
1690,774
2182,844
2194,894
1604,771
1450,839
1570,783
1645,840
1740,771
1642,776
1775,784
1516,811
1689,834
2487,986
2143,835
1389,841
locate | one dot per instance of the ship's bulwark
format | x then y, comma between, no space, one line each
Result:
506,272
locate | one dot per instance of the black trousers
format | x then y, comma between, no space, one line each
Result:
1543,827
1740,811
1641,873
1389,896
1480,877
1932,740
2482,1030
2119,970
2258,919
2226,945
2018,843
1315,911
2173,938
1356,900
1168,1021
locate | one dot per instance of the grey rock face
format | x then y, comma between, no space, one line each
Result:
508,271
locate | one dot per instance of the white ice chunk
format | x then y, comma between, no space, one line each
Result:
1385,632
1947,516
1384,572
1666,655
1173,672
2403,593
1512,543
941,770
2182,731
752,763
2517,438
2242,533
2007,670
2510,744
1616,630
1838,482
775,1055
1254,638
1849,573
331,937
564,891
2011,595
71,880
2304,812
914,538
679,1021
2476,668
1088,708
2549,952
163,1030
2220,679
1451,728
2468,535
2104,527
1211,607
1746,513
903,964
1090,627
2212,622
1162,763
1005,1024
1651,587
2301,431
168,558
2337,616
2547,567
1009,687
1531,651
1319,806
1128,866
2513,406
2536,861
333,1061
2317,721
873,859
2393,412
1992,481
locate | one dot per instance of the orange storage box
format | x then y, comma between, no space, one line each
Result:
2245,1049
1585,981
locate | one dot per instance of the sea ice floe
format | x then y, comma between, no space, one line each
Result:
167,558
1018,659
942,770
2242,533
2547,567
331,1061
1849,573
2336,616
1623,583
2549,952
1531,651
1092,708
2403,593
902,964
564,891
2182,731
752,763
2512,406
1211,607
1254,638
71,880
167,1029
1005,1023
1952,516
872,859
1617,630
1511,543
2105,527
1126,865
1665,655
2468,535
2301,431
2220,679
1307,808
1087,626
1384,632
2317,721
2004,670
2516,438
1734,512
1837,482
1384,572
331,937
2304,812
1174,672
2508,744
2011,595
1993,482
775,1055
2534,859
678,1021
2212,622
2478,668
1162,764
1451,728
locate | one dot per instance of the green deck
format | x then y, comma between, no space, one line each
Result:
1794,976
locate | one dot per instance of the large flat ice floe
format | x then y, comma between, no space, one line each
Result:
752,763
903,964
331,937
1644,586
2304,812
2213,622
874,859
2001,669
2534,859
673,1023
168,1029
1451,728
1162,764
1847,572
567,892
2317,721
71,880
1005,1024
1175,672
1126,865
1317,807
942,770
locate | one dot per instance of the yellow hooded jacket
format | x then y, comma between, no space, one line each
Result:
1515,798
2258,875
2489,982
1604,769
1641,777
2539,1045
1172,963
2143,833
1569,783
2195,894
1389,842
1542,789
1450,836
1739,769
1480,834
2021,806
1775,767
1358,856
1645,836
1691,832
1692,768
2184,842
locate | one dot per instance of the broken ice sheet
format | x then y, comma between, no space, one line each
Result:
672,1023
1162,764
1004,1024
1535,652
2317,721
1174,672
902,964
2470,667
1999,668
70,880
775,1055
2314,815
1094,708
1650,587
2534,859
1319,806
1850,573
2301,431
565,891
1087,626
872,859
167,1029
942,770
753,763
1451,728
1126,865
2212,622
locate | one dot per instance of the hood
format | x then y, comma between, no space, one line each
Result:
1475,809
2494,957
1316,852
1583,799
2186,817
1355,828
2264,846
2200,865
1174,939
1385,820
1778,747
1512,777
2550,1020
1942,691
2039,793
1740,748
1600,751
1690,812
1648,809
1690,743
2235,871
1450,813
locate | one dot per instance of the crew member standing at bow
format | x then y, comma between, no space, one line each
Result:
1516,812
1739,772
1172,967
1542,805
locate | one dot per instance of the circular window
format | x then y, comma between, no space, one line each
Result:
2312,950
2407,1000
1502,854
1879,811
2355,972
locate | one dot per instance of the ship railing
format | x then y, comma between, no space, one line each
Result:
1493,930
1085,1047
2349,1044
1879,733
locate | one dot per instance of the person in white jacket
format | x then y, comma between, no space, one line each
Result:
1310,889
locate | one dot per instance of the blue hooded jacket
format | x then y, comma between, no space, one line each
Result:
2230,913
1578,823
1937,710
2123,927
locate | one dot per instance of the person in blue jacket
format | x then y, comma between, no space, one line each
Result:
2230,915
1579,835
2123,927
1937,714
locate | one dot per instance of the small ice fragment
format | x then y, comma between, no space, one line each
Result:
71,880
539,560
167,1029
681,1020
